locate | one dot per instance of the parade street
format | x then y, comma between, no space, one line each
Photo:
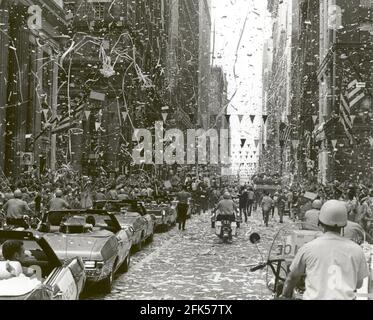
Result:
195,265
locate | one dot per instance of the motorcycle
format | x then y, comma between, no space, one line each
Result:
283,249
238,218
280,269
225,228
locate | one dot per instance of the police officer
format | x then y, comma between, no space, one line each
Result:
57,203
334,266
311,218
15,209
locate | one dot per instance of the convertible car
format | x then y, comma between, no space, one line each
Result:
132,214
53,279
94,235
165,213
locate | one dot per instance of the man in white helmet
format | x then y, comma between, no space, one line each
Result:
15,209
335,267
311,218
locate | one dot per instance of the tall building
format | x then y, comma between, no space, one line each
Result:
278,88
345,80
116,80
30,38
320,90
205,57
304,90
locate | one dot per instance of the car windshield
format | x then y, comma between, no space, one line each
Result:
79,221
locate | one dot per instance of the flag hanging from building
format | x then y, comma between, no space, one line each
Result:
355,93
285,132
345,117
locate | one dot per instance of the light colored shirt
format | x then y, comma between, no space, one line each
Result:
226,207
57,204
267,203
333,266
251,195
16,208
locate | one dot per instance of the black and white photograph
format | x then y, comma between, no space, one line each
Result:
205,152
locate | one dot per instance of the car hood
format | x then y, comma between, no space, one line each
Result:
88,247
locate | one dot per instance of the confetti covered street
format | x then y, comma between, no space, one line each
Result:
195,265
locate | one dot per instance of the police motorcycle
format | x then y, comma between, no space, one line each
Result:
225,225
284,246
277,265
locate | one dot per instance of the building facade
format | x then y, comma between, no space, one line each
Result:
345,80
30,50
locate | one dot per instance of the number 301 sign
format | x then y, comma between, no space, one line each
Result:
34,22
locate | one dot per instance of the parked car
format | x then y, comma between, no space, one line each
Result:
164,213
94,235
55,280
132,213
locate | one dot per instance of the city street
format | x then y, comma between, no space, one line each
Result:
119,119
196,265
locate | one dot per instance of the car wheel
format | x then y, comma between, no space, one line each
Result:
139,246
107,283
126,263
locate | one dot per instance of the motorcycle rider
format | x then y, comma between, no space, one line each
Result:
226,207
15,209
334,266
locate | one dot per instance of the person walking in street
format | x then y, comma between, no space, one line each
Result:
250,201
281,202
182,207
335,267
266,203
243,199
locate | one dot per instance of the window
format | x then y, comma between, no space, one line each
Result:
98,11
366,3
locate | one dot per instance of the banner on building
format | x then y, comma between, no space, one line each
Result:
97,96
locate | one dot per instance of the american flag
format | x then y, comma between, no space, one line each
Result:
67,122
285,132
355,93
345,117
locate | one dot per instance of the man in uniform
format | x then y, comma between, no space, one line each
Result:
15,209
58,203
335,267
311,218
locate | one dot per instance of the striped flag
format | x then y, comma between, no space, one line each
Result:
345,117
355,93
66,122
285,132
